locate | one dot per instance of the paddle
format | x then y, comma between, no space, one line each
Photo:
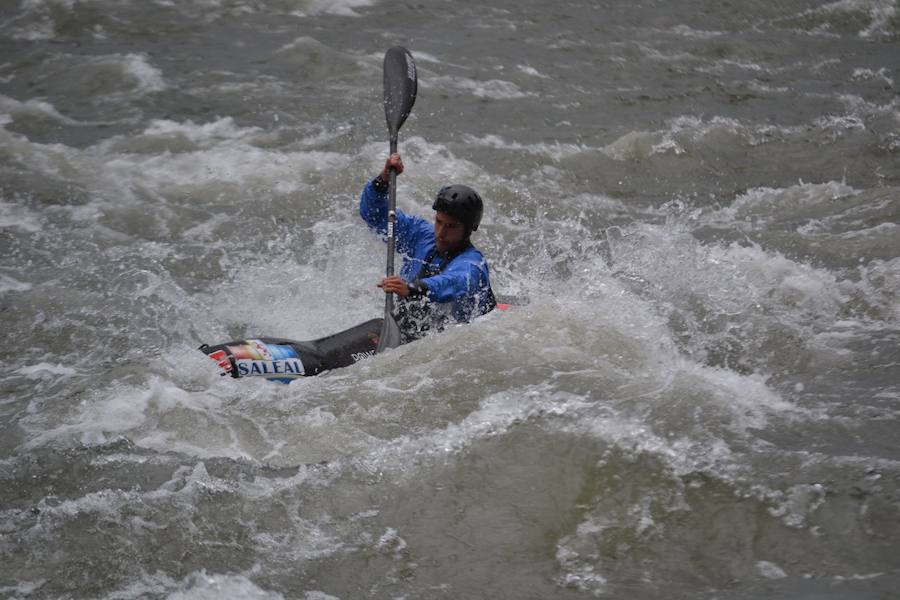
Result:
400,86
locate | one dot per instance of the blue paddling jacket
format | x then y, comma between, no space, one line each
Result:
459,284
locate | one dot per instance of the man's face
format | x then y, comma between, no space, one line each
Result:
448,232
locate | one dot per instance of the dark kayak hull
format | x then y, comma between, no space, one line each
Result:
280,359
285,360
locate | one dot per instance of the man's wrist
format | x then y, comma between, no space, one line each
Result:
417,288
380,184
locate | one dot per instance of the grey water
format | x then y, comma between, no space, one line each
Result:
700,400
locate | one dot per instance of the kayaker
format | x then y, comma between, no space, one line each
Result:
444,277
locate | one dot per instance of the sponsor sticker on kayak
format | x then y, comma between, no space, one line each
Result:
254,358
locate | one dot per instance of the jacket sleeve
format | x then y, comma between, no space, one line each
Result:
373,208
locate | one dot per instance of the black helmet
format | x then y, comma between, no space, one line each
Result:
462,202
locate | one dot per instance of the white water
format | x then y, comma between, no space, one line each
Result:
700,400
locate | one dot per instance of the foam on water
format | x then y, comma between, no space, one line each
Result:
46,369
770,570
344,8
226,166
117,76
148,77
882,75
529,70
676,262
15,216
699,397
34,107
882,14
556,151
754,301
199,585
762,206
142,412
9,284
494,89
691,33
683,135
178,506
203,586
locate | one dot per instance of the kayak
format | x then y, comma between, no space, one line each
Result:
284,360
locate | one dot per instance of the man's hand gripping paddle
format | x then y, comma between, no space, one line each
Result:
400,86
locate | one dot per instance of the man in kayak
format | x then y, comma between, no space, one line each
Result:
443,276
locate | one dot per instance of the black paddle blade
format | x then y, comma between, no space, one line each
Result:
390,334
400,86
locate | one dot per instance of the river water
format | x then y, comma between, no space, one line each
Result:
701,400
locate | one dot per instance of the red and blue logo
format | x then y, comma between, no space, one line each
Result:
254,358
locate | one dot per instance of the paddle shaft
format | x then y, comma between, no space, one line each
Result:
391,224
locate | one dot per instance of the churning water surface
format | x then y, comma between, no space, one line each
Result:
701,400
